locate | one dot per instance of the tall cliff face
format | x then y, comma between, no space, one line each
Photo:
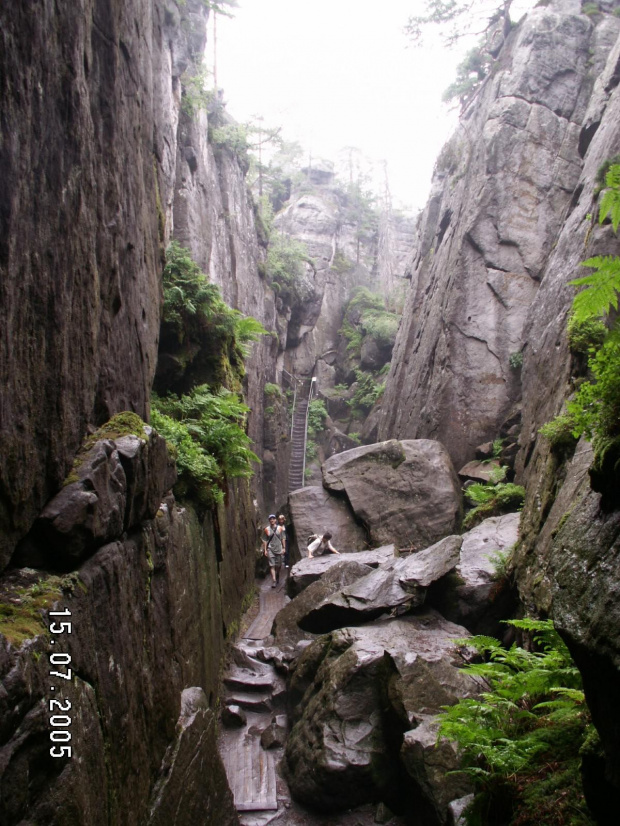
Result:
324,216
501,189
97,162
80,251
567,560
512,214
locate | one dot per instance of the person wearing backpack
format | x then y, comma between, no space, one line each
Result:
273,547
321,545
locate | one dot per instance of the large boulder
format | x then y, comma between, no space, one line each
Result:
115,484
307,571
353,695
478,595
286,629
315,510
404,492
398,585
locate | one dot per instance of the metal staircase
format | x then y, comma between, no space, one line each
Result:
299,431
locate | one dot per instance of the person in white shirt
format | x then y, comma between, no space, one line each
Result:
321,545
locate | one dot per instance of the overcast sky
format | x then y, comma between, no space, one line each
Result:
336,73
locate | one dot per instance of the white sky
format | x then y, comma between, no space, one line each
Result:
336,73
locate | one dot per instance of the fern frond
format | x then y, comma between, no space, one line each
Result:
610,202
602,288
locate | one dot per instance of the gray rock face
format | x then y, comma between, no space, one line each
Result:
314,510
567,539
307,571
181,787
502,186
399,584
476,596
286,629
338,754
147,615
322,220
584,562
80,273
119,484
404,492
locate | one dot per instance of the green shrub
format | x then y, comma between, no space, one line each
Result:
312,451
209,338
367,393
516,360
492,500
585,335
595,409
521,738
194,95
366,315
272,391
207,433
317,414
286,258
559,431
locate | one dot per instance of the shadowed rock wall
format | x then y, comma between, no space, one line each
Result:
147,614
80,251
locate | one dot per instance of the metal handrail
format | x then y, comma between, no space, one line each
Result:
313,387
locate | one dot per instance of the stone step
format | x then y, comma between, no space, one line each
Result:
238,680
250,701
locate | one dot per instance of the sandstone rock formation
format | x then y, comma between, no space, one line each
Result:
147,613
397,585
314,510
404,492
477,595
353,693
501,188
307,571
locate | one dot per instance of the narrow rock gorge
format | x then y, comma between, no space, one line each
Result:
435,350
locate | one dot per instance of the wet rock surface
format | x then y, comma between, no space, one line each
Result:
307,571
478,595
340,751
387,486
396,586
314,510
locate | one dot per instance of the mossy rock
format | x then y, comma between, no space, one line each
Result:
24,597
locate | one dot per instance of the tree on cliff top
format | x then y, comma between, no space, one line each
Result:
459,18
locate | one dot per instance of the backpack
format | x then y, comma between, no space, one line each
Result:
311,538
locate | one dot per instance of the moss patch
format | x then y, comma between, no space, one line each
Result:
24,597
123,424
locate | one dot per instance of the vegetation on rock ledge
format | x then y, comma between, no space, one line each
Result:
520,740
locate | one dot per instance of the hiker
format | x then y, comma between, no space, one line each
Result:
282,524
273,547
321,545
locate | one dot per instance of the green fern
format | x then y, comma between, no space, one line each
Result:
610,202
602,288
531,713
207,432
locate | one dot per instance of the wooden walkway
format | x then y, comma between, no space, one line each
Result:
251,770
271,601
251,773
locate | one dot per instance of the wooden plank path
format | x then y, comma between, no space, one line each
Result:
251,773
251,770
271,600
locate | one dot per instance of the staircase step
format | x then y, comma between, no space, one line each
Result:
250,701
244,681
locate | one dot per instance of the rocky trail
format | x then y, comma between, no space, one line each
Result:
255,725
